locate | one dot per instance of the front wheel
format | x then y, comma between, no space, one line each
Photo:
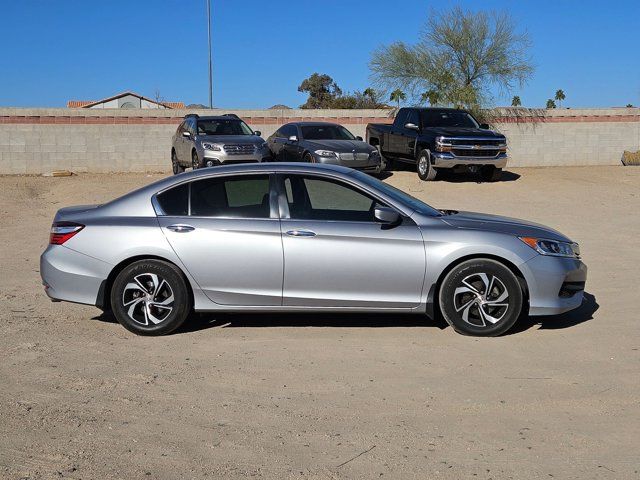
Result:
490,173
481,297
195,163
150,297
308,158
426,170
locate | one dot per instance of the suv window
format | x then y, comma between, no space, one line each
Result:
315,198
244,196
175,201
227,126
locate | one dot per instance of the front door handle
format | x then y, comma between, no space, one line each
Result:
181,228
301,233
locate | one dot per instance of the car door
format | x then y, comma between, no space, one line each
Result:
228,237
397,135
276,141
408,145
292,150
179,143
337,255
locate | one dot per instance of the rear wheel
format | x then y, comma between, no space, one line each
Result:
175,165
426,170
490,173
150,297
481,297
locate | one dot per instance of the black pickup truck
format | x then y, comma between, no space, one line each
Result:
439,138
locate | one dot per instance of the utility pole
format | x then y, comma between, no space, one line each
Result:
209,33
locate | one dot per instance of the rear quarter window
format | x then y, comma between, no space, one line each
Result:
175,201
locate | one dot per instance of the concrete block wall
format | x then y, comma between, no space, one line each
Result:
34,141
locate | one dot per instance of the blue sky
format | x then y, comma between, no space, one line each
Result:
53,51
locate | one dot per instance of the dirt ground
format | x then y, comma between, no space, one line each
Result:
329,396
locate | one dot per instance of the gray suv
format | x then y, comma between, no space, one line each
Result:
220,140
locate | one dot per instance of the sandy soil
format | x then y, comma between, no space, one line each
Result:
331,397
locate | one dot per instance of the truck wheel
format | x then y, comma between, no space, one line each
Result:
426,171
490,173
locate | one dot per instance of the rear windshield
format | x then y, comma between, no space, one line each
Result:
223,127
326,132
448,119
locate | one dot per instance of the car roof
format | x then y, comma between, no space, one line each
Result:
311,124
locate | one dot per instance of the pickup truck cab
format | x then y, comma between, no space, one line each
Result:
440,138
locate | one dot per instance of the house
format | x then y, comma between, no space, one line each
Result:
124,100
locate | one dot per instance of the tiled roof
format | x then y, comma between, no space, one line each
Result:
88,103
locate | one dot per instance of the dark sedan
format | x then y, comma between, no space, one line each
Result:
322,142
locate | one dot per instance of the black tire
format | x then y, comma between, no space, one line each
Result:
308,158
471,308
140,298
385,164
426,171
175,164
195,162
490,173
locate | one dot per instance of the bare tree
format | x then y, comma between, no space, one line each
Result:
461,55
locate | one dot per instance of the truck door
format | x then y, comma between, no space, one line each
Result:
397,136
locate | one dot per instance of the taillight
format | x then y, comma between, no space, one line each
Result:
63,231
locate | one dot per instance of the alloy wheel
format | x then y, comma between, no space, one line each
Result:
481,299
148,299
423,165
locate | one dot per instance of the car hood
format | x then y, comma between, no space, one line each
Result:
464,132
498,224
341,146
236,139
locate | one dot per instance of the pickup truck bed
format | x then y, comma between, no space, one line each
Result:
439,138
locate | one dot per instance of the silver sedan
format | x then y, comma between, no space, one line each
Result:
301,237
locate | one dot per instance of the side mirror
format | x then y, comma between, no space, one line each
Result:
411,126
186,134
257,133
293,138
386,215
359,138
485,126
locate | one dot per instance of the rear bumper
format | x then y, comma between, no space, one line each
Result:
547,280
72,276
449,160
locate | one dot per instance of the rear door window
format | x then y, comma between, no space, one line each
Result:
175,201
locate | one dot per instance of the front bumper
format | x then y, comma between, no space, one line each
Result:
449,160
372,164
552,284
72,276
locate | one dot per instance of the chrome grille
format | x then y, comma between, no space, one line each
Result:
362,156
240,149
475,153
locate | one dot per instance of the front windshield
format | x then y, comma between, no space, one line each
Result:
223,127
398,195
448,118
326,132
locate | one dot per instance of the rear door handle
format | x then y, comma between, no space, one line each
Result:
301,233
181,228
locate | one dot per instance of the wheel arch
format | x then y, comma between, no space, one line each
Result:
432,304
104,293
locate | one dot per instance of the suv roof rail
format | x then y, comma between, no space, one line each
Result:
232,115
191,115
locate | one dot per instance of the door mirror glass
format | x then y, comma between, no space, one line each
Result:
359,138
186,134
386,215
411,126
484,126
293,138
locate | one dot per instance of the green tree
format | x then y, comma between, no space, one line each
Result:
322,91
431,96
461,55
515,101
551,103
559,97
398,96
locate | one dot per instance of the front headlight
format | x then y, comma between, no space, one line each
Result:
211,146
552,247
325,153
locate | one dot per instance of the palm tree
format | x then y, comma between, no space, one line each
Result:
397,96
369,92
431,96
551,104
515,102
560,97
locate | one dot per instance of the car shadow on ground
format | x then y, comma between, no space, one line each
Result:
203,321
448,176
